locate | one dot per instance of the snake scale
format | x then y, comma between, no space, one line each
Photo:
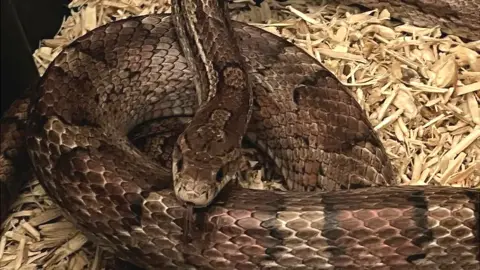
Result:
128,72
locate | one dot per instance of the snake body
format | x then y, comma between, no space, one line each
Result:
453,17
131,71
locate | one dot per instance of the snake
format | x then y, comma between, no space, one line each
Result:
343,209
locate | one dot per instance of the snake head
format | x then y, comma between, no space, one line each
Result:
197,184
200,174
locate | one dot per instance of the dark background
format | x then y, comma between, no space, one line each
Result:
24,24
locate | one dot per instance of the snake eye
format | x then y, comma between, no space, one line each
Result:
219,175
180,164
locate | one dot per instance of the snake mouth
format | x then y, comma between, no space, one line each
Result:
198,200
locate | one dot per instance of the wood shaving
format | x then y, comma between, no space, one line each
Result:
420,90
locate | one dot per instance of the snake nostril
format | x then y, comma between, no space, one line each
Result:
180,164
219,175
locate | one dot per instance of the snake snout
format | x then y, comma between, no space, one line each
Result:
191,191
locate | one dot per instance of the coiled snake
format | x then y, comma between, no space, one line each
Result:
129,72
